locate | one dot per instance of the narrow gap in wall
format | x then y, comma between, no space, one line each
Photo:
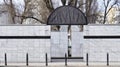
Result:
69,42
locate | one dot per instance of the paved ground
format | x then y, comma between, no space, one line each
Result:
58,64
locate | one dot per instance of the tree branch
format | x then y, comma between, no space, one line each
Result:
6,3
63,2
76,3
49,5
81,5
31,18
111,7
2,12
104,4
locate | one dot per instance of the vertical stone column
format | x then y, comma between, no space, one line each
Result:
59,42
77,42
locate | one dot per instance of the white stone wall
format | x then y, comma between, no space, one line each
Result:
59,44
25,30
106,30
98,48
77,42
16,49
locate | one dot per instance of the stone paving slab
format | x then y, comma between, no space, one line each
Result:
59,66
70,64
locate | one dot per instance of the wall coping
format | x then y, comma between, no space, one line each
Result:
25,25
102,25
62,25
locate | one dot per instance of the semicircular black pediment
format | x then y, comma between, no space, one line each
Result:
67,15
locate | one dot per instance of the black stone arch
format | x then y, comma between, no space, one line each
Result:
67,15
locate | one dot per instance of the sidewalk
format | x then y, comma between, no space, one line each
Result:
62,64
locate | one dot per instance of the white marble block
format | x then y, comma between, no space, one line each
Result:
59,44
16,49
98,48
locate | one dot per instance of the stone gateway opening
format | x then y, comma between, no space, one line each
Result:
63,18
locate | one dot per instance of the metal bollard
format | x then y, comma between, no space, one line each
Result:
5,59
46,59
87,59
107,59
65,59
27,63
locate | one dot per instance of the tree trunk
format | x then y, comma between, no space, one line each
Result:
105,15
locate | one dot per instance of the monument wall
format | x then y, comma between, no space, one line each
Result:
56,46
16,48
105,39
77,41
59,42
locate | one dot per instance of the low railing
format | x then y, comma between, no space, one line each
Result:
66,58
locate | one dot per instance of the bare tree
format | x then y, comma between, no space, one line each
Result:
28,12
108,4
11,9
91,10
49,5
43,8
88,7
63,2
25,14
73,2
1,9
